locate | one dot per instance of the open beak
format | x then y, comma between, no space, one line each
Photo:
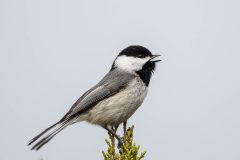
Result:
153,57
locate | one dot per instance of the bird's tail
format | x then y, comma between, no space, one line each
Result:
48,134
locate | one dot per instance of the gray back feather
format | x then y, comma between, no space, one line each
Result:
111,84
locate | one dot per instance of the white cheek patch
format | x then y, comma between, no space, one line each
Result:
130,63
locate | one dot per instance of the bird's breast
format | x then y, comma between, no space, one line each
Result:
119,107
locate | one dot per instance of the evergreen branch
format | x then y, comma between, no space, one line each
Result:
129,150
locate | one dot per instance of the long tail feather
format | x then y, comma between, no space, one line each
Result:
47,138
52,131
42,133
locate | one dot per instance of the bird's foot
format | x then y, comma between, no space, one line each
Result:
120,144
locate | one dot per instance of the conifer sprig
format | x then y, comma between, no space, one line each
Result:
129,150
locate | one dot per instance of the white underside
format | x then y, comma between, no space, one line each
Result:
118,108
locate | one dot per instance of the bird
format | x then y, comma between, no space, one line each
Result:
113,100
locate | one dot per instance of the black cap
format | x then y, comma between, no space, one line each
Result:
136,51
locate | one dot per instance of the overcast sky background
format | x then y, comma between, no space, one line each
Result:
51,51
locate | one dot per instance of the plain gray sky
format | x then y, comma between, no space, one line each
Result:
51,51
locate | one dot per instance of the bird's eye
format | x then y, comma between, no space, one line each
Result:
140,56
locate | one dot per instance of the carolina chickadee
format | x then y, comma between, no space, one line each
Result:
114,99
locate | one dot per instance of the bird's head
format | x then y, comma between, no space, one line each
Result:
134,59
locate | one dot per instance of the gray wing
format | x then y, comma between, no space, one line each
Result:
113,82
